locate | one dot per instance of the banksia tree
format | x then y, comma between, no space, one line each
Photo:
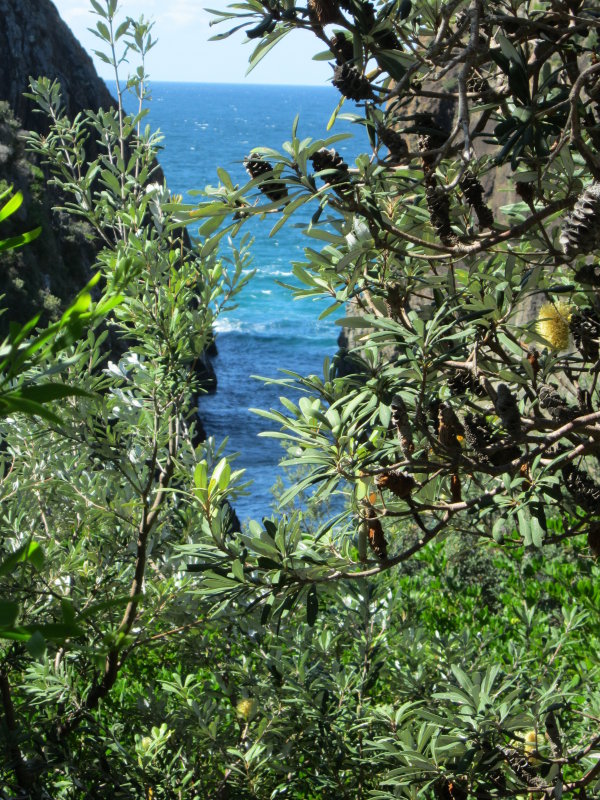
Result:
475,202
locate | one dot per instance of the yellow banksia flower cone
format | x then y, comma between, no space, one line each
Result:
553,324
533,743
246,708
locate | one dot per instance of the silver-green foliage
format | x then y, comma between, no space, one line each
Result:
97,486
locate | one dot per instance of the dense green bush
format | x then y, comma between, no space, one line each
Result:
151,648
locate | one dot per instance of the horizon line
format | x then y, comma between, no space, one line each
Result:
234,83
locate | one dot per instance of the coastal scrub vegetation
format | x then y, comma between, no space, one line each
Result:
418,618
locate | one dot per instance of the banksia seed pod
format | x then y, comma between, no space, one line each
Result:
351,83
430,137
584,490
376,536
488,445
342,48
507,409
585,327
555,405
324,12
479,86
553,324
504,454
520,765
584,401
526,191
478,435
455,488
581,228
257,167
593,538
449,427
401,422
473,191
394,143
533,357
397,482
588,275
449,790
463,381
439,211
331,160
459,383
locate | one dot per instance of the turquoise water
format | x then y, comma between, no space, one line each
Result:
206,126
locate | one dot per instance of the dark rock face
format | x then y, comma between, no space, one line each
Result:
45,275
34,41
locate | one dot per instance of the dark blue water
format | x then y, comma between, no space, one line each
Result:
206,126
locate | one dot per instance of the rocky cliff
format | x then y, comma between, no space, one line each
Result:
35,41
45,275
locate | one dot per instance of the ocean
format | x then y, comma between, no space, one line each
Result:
210,125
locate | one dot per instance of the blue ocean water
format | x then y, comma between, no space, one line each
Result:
206,126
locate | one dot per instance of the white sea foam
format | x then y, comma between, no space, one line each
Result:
224,325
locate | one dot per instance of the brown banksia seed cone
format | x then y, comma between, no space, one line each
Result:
376,536
402,424
455,488
488,445
324,12
473,192
581,228
394,143
449,790
533,357
519,764
507,409
257,167
588,275
342,48
526,191
593,538
351,83
439,211
430,137
397,482
463,381
584,490
479,86
449,427
331,160
478,434
585,327
554,404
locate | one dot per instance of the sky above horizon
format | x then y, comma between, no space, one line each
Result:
183,52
